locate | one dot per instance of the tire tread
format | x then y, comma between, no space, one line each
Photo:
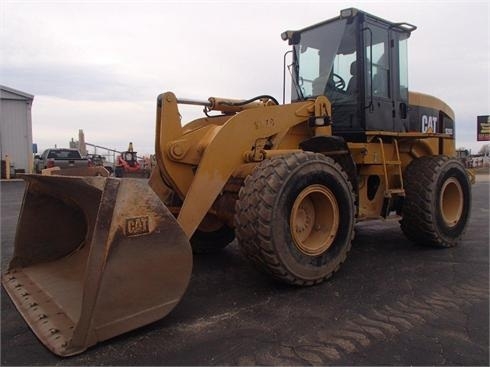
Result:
253,220
419,221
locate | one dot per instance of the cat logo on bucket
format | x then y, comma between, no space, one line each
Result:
429,124
137,226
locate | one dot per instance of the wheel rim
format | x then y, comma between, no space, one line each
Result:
451,202
314,220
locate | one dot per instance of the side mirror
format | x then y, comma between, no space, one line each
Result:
37,156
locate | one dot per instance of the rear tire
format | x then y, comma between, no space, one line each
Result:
295,217
437,202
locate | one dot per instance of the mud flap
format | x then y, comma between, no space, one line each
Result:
94,257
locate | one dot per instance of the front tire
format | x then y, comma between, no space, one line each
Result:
295,217
437,204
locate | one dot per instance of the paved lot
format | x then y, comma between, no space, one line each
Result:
392,303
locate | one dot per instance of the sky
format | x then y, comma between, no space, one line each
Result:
100,65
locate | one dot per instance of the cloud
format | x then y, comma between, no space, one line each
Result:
84,59
76,82
107,123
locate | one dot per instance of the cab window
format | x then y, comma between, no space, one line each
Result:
377,65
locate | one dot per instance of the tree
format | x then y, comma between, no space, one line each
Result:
484,150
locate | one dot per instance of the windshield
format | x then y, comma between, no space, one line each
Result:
326,62
64,154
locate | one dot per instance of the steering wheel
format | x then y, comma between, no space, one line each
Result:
338,81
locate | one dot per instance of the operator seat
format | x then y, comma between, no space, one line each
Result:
352,85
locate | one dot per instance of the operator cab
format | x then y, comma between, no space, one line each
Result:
359,62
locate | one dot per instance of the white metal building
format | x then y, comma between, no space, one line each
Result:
16,128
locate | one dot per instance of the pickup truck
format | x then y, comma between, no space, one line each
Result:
60,157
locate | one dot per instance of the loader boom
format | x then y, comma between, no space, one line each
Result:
215,151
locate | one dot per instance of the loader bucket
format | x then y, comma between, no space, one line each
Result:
94,257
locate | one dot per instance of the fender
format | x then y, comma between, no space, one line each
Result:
336,148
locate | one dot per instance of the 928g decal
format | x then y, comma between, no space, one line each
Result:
429,124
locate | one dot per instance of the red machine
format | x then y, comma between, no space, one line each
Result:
128,166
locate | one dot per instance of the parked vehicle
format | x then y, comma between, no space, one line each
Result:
128,165
95,160
59,157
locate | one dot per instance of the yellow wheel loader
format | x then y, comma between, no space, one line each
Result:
288,181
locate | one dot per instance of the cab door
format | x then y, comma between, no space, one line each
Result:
399,66
386,92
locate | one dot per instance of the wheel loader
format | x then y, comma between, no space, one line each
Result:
127,165
287,181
